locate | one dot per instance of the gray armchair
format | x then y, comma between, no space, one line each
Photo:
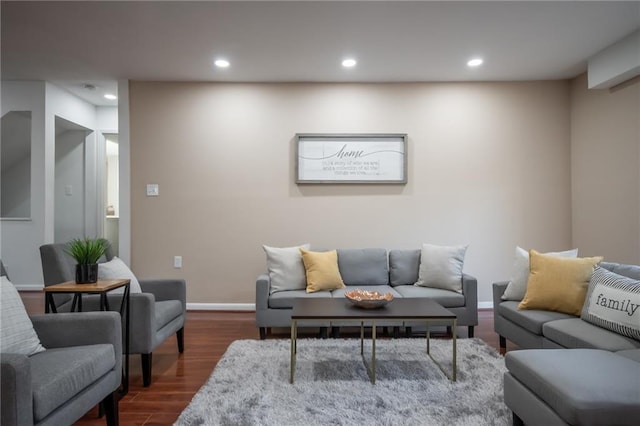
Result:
156,313
81,367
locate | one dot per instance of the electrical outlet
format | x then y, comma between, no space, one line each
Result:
177,262
153,190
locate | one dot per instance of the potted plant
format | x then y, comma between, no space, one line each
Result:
86,252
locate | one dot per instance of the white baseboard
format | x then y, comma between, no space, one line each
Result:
485,305
29,287
221,306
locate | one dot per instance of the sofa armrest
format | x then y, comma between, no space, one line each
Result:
16,406
166,289
498,290
263,286
470,292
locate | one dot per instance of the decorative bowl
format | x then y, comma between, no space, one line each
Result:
368,299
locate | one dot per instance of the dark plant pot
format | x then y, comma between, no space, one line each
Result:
87,274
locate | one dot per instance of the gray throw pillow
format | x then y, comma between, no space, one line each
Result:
286,270
17,335
441,267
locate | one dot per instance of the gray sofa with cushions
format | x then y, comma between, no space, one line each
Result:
372,269
574,372
536,329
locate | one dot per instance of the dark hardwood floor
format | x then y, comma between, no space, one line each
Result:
177,377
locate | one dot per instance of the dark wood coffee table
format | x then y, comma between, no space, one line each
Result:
335,309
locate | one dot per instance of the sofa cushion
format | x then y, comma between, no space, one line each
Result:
446,298
363,266
576,333
379,288
284,299
286,270
517,286
531,320
633,354
441,267
167,310
403,266
558,284
59,374
631,271
613,302
321,269
17,335
585,387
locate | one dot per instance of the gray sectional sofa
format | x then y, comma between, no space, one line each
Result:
372,269
535,329
573,372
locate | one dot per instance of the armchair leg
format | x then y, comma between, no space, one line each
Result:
110,404
517,421
470,332
263,333
503,345
146,369
180,337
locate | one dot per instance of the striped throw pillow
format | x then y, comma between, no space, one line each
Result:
613,302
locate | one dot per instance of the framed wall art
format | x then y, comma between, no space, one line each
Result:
351,158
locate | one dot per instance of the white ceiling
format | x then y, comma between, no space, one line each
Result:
72,43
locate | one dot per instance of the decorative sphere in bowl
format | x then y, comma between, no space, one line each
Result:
368,299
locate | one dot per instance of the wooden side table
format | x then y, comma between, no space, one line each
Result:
102,287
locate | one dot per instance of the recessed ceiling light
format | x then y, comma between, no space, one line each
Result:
110,97
349,63
475,62
221,63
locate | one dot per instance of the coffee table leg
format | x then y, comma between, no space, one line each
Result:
361,337
428,338
373,352
294,349
455,355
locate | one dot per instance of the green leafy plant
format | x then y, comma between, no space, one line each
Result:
87,251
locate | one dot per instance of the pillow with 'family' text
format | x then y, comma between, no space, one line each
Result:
613,302
517,286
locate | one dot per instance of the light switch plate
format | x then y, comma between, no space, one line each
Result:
153,190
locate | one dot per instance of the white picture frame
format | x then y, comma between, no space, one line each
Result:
351,158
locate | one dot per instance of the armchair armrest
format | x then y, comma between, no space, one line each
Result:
166,289
263,284
16,406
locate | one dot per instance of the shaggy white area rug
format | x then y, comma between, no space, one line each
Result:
250,385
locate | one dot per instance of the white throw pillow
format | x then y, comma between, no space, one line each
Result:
441,267
17,335
517,286
286,270
116,269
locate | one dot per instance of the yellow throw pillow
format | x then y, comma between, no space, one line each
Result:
557,283
322,271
